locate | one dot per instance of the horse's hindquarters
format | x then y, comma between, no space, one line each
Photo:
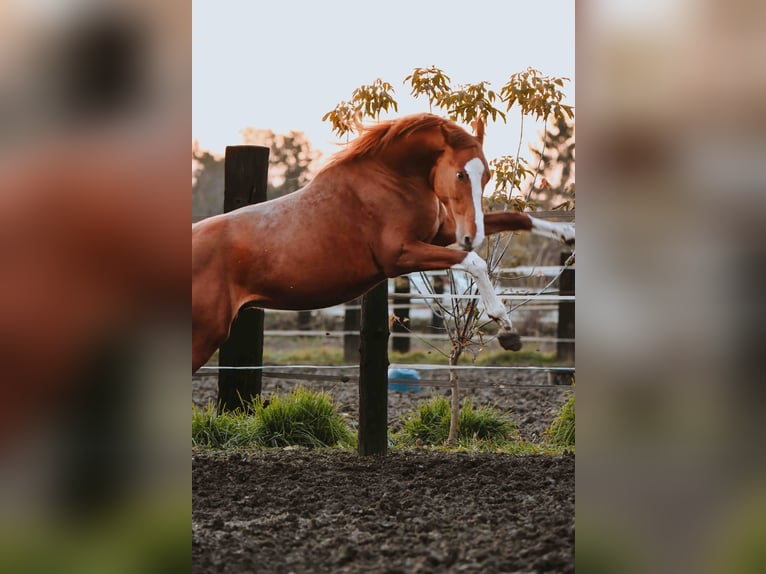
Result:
211,296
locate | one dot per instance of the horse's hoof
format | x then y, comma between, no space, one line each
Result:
510,340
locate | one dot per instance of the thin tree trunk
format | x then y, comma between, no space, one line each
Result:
455,400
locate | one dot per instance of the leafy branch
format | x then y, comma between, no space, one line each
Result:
367,100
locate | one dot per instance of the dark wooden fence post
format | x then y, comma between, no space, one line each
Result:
437,321
373,373
304,320
565,351
401,325
351,320
246,173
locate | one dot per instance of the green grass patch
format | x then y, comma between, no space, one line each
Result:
418,357
305,355
225,430
561,433
485,358
304,418
429,425
533,358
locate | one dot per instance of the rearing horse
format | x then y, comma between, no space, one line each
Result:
388,204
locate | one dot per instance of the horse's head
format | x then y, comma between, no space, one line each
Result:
459,176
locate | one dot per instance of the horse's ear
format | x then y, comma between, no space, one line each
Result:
478,129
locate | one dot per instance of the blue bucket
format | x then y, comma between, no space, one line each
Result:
400,385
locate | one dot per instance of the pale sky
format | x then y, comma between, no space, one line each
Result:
282,65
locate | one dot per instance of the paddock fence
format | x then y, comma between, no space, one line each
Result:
366,326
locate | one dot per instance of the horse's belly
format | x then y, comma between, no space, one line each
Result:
320,293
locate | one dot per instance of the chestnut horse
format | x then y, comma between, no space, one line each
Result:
388,204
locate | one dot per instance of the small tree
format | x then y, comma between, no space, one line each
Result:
367,100
346,118
430,82
535,95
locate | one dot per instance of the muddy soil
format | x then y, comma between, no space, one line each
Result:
302,511
416,511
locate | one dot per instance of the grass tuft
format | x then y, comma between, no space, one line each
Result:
429,425
227,430
304,418
561,433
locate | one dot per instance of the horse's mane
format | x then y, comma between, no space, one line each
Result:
376,138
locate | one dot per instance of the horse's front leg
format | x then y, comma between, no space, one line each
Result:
476,266
517,221
418,256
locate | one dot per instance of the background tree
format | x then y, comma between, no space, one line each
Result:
207,183
292,161
556,157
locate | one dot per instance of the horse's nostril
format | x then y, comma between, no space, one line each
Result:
467,243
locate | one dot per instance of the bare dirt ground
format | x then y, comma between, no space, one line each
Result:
413,511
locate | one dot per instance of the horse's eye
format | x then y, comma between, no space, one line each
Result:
460,176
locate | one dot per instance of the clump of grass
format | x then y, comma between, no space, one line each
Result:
429,425
303,418
483,423
561,433
225,430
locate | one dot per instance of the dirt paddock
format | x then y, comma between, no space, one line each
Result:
420,510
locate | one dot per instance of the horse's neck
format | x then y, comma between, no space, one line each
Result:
415,159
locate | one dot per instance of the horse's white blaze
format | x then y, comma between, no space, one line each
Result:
475,170
553,229
477,268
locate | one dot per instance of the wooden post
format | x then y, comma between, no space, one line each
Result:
566,327
304,320
373,373
246,173
351,321
401,344
437,321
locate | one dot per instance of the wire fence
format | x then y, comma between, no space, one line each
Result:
542,300
558,378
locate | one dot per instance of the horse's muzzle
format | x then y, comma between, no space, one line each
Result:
467,244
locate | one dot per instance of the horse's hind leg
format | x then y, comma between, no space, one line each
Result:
508,337
564,232
515,221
